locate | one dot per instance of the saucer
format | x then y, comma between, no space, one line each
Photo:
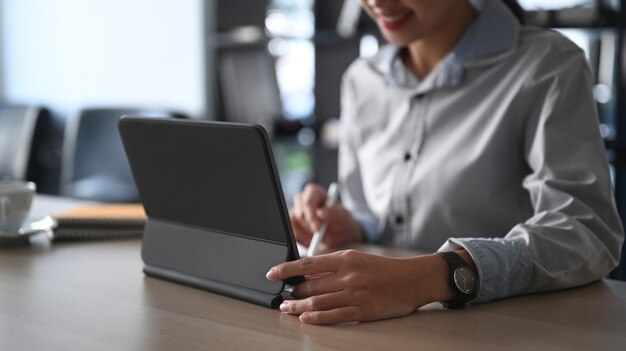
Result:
44,225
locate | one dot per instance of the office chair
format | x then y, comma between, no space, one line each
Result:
30,146
17,128
95,166
248,86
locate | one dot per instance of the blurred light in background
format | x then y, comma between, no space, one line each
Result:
553,4
291,24
67,54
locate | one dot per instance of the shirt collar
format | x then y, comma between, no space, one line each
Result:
490,38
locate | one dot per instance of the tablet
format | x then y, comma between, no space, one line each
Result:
216,214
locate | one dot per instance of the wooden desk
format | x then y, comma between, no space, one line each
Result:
94,296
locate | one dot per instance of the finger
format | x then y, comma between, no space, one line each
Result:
334,240
298,211
304,266
335,236
334,316
327,214
315,276
316,303
342,226
303,234
318,285
300,215
313,198
297,208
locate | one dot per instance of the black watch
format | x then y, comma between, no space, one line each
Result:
463,280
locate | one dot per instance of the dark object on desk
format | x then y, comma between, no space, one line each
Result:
217,217
94,163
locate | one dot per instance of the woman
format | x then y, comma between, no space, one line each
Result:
470,134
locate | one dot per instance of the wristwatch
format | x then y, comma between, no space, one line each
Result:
463,280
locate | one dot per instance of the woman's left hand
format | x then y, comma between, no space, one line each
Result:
349,285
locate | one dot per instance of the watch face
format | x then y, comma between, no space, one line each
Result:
465,280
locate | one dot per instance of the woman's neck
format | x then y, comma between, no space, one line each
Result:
425,53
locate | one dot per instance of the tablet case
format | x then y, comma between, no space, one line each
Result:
216,215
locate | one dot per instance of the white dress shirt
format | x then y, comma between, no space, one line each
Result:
496,151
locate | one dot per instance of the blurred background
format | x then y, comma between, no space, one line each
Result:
70,68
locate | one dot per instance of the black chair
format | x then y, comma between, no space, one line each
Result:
248,87
95,166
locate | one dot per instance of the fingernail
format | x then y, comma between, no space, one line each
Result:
305,317
284,306
270,274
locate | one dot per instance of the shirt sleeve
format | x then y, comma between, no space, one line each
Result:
350,184
575,234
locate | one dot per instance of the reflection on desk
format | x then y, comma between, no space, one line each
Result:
94,296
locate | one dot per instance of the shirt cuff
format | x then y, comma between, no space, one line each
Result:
504,265
369,225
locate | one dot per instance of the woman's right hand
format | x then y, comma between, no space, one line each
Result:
309,213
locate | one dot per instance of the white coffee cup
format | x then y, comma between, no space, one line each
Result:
16,197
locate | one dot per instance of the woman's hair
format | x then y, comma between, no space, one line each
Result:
517,10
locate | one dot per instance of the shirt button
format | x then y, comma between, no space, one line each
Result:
399,219
407,156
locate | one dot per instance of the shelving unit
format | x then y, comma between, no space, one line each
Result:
232,36
619,146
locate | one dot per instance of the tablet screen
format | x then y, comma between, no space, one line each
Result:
211,175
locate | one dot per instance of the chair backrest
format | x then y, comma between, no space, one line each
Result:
95,166
17,127
248,86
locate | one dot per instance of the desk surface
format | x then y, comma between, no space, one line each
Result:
94,296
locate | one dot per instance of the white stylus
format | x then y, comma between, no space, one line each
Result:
331,199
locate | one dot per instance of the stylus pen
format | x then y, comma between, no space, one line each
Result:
318,236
